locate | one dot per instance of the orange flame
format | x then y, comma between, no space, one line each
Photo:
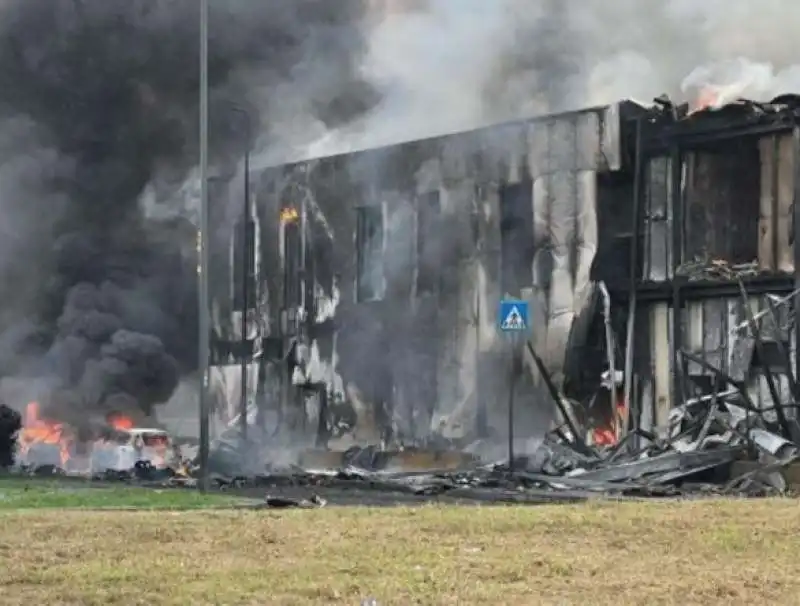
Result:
39,430
42,431
708,98
120,422
289,215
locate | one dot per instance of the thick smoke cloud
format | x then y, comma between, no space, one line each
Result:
449,65
98,99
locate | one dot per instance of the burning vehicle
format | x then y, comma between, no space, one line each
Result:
133,446
117,445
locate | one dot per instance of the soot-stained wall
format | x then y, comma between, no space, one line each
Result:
400,255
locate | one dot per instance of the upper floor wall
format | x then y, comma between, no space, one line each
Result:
384,211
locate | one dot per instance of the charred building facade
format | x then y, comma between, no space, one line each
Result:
714,270
646,239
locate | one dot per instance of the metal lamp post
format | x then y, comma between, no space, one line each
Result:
202,269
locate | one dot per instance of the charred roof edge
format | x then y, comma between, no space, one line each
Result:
627,110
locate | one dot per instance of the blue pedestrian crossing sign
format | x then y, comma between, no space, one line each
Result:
513,316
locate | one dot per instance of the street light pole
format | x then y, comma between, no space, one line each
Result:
202,270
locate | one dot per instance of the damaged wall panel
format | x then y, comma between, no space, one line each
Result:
660,318
563,164
721,218
776,215
716,331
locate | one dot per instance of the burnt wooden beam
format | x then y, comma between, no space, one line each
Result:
676,229
737,385
556,395
759,345
785,353
633,279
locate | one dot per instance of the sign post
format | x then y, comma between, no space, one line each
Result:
512,320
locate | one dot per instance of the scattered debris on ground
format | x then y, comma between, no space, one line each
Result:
280,502
716,442
707,435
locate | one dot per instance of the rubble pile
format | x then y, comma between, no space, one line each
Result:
707,436
717,443
697,456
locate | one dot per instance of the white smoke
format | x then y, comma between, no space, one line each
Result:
741,78
449,65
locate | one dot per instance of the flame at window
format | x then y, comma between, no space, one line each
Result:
289,215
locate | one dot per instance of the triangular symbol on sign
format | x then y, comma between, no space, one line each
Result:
513,320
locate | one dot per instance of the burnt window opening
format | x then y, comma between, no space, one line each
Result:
615,201
516,237
370,236
244,237
655,212
728,209
292,248
722,192
429,244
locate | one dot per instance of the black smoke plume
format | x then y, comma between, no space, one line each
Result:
96,97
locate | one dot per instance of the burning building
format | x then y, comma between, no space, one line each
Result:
393,261
655,244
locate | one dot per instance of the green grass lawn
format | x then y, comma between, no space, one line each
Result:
668,553
35,493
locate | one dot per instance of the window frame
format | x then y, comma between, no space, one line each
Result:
428,255
377,292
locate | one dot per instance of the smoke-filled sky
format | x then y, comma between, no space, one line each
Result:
455,64
98,100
